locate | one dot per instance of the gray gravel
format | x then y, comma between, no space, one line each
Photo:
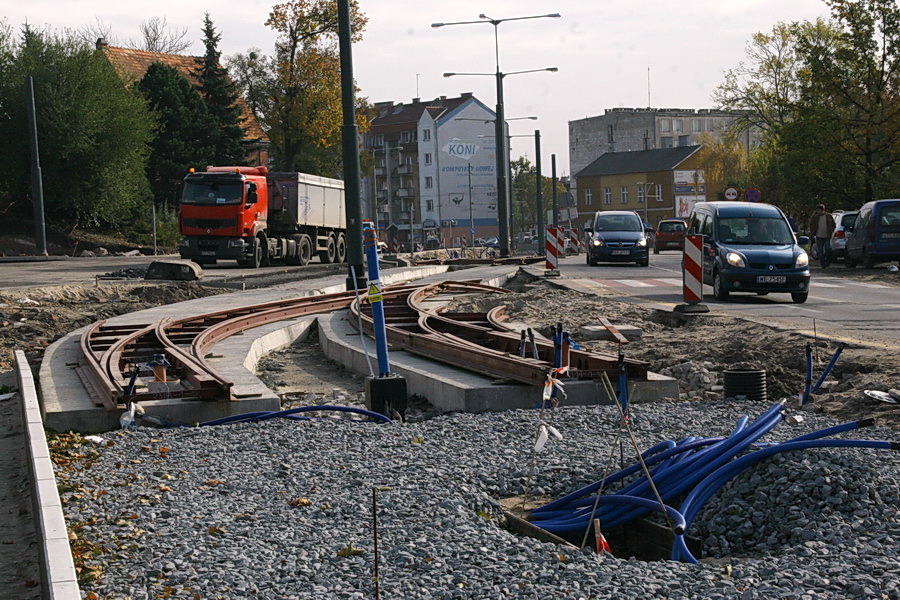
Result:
206,512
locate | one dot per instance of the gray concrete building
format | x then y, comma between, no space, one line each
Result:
632,129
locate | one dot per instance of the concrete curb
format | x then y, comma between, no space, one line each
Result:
58,578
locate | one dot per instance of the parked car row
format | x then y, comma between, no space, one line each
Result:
874,235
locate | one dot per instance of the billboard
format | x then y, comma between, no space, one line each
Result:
468,180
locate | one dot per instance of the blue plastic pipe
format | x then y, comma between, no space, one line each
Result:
829,367
375,301
701,494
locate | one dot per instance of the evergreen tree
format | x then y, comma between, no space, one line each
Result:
220,95
93,132
183,137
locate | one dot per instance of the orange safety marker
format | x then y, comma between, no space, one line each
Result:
602,544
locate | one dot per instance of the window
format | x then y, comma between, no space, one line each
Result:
665,125
642,194
609,134
707,227
379,140
696,125
607,195
676,125
429,182
588,197
683,140
381,162
426,135
665,142
659,197
428,158
624,193
404,137
429,205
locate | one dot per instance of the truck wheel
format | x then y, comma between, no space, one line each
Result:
341,249
327,256
265,258
255,257
304,249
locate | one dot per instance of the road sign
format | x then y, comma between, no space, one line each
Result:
731,193
752,195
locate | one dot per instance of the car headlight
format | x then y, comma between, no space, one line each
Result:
642,242
735,260
802,260
598,242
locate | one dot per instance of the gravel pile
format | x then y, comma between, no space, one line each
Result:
283,509
694,377
129,273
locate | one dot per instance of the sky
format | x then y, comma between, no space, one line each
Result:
602,48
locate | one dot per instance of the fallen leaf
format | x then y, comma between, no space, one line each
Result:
300,502
213,530
213,482
164,450
165,488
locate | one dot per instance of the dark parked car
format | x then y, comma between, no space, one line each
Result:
875,236
669,235
617,236
749,247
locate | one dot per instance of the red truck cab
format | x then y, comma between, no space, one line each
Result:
222,210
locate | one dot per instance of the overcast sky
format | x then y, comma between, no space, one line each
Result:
602,48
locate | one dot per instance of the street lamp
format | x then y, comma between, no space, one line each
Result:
501,153
502,212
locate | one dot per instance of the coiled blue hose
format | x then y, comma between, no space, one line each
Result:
701,494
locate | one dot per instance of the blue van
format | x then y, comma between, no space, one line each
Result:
750,247
875,236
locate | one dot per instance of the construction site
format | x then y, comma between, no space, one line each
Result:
530,437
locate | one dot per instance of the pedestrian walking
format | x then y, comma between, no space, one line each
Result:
821,226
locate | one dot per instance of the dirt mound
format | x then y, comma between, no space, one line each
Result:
31,320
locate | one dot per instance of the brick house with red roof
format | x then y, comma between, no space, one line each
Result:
131,65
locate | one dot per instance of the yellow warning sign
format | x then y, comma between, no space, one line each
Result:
375,294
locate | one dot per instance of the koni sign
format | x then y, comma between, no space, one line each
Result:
460,149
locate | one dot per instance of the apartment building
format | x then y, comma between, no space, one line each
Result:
434,172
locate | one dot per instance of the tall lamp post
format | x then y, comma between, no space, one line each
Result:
502,206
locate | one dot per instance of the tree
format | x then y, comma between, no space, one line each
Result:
221,96
764,88
851,90
524,196
253,75
183,138
93,132
158,38
723,162
304,120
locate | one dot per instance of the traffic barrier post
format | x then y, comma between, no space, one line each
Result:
692,276
552,243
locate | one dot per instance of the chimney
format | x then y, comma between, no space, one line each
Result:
102,43
466,95
416,100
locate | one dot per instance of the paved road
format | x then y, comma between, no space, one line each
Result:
842,308
73,271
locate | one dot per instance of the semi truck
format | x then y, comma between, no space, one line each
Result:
258,217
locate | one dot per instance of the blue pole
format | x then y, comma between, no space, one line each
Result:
376,301
623,384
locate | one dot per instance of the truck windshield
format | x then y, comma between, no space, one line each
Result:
212,193
755,230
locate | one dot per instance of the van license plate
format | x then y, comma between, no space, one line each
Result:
771,279
620,252
207,253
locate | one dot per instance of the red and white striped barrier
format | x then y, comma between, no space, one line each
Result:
555,245
575,240
693,269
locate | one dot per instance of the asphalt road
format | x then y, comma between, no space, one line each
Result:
839,307
82,271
